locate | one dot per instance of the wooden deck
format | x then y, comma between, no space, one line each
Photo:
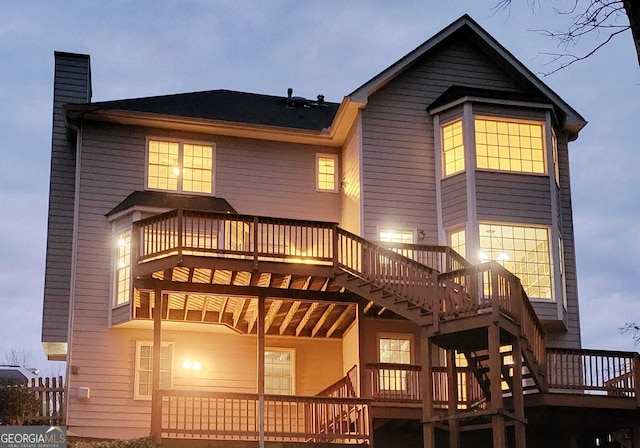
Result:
273,276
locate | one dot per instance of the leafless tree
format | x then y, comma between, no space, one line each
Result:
601,19
17,356
632,328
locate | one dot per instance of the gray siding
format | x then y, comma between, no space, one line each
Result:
72,84
397,149
454,200
513,198
351,194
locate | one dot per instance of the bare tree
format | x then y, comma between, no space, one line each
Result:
602,19
632,328
17,356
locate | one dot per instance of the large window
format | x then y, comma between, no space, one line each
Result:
509,146
180,166
452,148
394,350
143,383
279,371
123,268
326,172
522,250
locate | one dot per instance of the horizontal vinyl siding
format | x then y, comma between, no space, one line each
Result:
229,365
351,191
454,200
398,153
520,113
71,85
507,197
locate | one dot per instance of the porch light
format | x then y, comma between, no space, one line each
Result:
188,364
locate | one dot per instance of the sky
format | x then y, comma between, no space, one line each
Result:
145,48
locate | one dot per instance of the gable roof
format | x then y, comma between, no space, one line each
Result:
228,106
573,121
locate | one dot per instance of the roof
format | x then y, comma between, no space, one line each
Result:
465,24
456,92
173,201
230,106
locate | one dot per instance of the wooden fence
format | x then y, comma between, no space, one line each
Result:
51,394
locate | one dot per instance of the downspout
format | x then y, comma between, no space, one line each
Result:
74,258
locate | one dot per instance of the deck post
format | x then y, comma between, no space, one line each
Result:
452,383
180,233
261,345
156,400
636,381
495,378
518,394
426,390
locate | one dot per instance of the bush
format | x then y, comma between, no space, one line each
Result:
146,442
17,403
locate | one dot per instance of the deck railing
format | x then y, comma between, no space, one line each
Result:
595,372
440,258
345,387
236,416
393,382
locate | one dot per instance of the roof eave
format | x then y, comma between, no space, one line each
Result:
76,112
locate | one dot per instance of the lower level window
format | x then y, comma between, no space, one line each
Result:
279,371
522,250
394,350
143,383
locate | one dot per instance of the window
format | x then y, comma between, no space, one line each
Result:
522,250
456,240
452,148
279,371
394,350
554,142
326,172
180,166
396,236
509,146
123,268
143,384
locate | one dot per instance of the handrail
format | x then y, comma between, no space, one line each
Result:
440,258
344,387
602,372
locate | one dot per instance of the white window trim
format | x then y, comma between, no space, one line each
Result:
403,336
465,144
292,352
181,143
136,378
336,176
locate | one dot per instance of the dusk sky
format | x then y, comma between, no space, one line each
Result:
145,48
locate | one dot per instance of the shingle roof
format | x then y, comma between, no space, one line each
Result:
172,201
231,106
456,92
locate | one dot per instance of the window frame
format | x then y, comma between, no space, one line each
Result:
181,143
512,120
399,231
396,380
336,174
457,230
292,358
137,370
116,268
443,164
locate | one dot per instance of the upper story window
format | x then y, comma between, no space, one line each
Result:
524,251
456,239
326,172
123,268
509,146
556,167
452,148
180,166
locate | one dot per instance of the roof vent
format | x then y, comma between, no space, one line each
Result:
320,99
296,101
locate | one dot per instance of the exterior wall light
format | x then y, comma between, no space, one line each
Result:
188,364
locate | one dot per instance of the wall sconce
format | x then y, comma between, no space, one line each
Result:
421,234
188,364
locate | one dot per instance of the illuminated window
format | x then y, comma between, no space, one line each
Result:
452,148
327,172
123,268
394,350
396,236
143,383
522,250
279,371
509,146
178,166
556,167
456,239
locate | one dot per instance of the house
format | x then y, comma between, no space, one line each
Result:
396,269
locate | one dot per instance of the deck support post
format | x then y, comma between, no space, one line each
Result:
261,347
452,385
156,400
635,436
495,378
426,390
518,394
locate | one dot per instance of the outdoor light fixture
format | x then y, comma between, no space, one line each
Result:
188,364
